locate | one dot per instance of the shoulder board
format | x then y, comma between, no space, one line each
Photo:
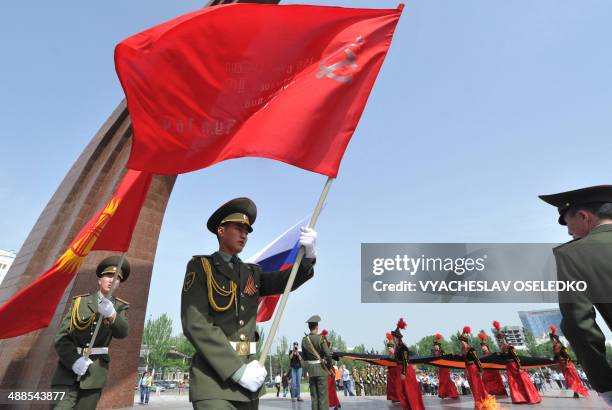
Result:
566,243
81,296
201,256
125,302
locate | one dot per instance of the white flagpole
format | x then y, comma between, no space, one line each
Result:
283,301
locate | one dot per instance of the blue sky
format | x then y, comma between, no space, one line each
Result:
479,107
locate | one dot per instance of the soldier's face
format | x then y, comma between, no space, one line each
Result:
579,224
105,283
232,237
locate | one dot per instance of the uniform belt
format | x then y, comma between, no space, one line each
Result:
244,348
94,350
313,361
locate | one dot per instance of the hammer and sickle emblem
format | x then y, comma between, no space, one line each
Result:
349,60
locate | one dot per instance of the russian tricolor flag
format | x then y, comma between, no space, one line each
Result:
279,254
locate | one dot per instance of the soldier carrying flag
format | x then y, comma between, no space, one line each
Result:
83,368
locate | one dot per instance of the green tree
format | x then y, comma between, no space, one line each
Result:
357,363
157,337
282,355
532,346
337,343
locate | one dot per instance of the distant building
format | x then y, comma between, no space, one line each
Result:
514,335
6,260
538,322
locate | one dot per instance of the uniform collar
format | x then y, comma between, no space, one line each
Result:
607,227
225,256
99,296
224,267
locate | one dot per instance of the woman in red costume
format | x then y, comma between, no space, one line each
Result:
521,387
446,387
331,379
490,377
393,373
473,369
407,386
567,367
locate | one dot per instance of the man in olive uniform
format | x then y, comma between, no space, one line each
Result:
219,304
587,212
364,380
318,360
357,381
74,337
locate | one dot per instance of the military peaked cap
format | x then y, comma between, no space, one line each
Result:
565,200
109,265
314,319
238,210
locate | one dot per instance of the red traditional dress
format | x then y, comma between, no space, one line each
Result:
408,389
521,387
482,400
446,387
567,366
491,377
393,373
332,395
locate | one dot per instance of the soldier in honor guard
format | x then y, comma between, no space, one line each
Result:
358,381
587,213
219,308
364,380
83,377
318,359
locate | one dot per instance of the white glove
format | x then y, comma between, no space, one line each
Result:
308,239
106,308
80,366
253,376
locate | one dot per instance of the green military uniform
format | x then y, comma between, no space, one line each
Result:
357,380
76,331
367,382
219,304
588,258
316,356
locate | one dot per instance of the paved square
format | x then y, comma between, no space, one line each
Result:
553,399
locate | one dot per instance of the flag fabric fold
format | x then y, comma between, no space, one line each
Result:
111,228
249,80
279,254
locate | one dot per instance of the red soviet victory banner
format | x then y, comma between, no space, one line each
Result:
251,80
110,229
